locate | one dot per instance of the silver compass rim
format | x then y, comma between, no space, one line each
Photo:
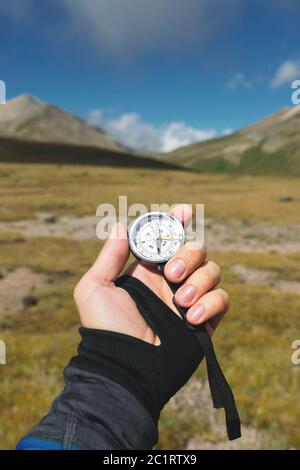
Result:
141,217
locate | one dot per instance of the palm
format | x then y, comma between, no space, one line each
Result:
107,307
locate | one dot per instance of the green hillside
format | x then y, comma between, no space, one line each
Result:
270,147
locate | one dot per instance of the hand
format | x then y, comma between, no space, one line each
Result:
102,305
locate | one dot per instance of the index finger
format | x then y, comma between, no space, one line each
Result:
183,212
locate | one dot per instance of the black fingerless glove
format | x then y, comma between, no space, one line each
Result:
153,374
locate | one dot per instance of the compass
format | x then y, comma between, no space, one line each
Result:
155,237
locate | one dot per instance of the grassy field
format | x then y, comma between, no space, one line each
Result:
26,189
254,342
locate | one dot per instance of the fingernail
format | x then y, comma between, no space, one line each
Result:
197,313
177,267
187,294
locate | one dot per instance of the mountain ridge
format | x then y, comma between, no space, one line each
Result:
29,118
268,147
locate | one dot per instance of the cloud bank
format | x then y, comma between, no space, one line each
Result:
131,131
129,27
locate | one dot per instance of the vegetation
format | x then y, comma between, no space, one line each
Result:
22,151
78,190
254,342
269,147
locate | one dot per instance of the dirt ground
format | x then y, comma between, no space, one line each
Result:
17,289
220,235
264,278
197,391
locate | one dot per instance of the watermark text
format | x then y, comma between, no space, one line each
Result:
2,92
2,352
110,215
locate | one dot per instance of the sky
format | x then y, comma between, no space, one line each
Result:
156,74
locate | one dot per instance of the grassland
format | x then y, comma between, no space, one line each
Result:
254,342
77,190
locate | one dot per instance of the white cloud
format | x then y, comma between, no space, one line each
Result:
178,134
130,27
131,131
227,131
286,73
239,80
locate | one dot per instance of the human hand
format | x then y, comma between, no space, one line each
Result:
104,306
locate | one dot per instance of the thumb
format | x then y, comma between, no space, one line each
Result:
113,256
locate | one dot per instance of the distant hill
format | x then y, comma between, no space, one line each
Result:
270,147
23,151
28,118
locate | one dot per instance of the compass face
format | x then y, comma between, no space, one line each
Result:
155,237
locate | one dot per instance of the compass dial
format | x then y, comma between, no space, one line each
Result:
155,237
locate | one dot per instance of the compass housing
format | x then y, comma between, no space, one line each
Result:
154,237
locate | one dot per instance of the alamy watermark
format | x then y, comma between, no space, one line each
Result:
296,94
295,357
2,92
125,214
295,97
2,353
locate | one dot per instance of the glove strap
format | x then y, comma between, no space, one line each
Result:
221,392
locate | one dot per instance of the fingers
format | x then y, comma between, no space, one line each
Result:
188,258
198,283
198,293
183,212
113,256
211,308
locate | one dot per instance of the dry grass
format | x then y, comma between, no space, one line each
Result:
27,189
254,343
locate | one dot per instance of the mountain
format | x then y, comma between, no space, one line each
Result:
25,151
34,132
28,118
269,147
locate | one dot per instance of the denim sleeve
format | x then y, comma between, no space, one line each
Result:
92,413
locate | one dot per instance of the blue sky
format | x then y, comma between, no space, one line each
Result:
155,73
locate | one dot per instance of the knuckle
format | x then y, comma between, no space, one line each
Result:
215,270
194,245
224,299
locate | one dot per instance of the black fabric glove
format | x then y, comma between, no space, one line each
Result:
153,374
